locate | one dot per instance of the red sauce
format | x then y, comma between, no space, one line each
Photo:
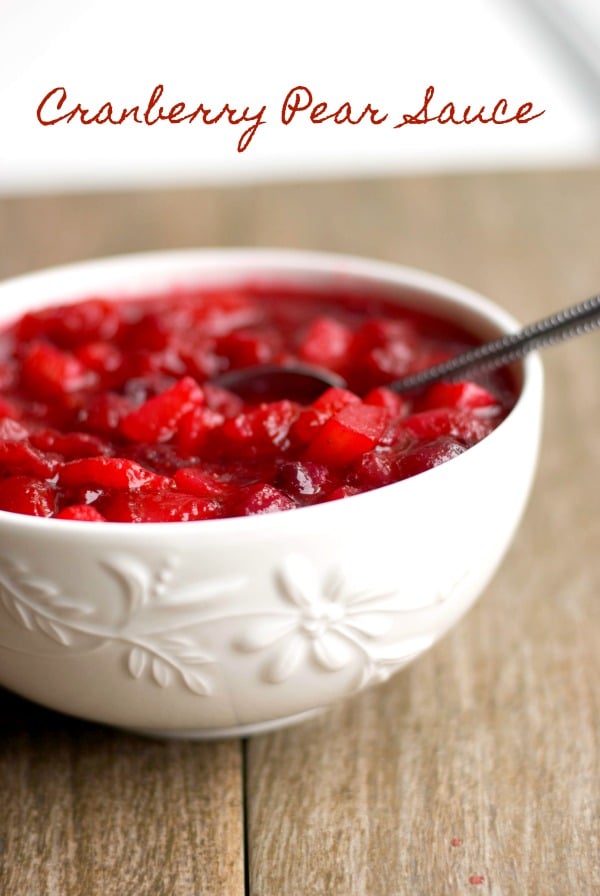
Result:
107,411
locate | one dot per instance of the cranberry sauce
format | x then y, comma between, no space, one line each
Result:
107,411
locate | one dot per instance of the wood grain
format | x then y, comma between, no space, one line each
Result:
87,810
492,739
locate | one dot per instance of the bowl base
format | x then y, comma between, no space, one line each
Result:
223,733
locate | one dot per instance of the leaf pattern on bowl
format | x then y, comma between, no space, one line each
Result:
323,622
156,624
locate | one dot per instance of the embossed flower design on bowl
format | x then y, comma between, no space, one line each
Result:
331,623
157,626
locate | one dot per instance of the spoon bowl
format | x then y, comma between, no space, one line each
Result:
270,382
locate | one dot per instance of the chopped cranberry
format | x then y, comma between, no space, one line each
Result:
387,362
424,457
378,332
261,498
396,435
326,343
9,409
12,431
71,446
303,478
161,457
222,311
152,333
372,470
157,507
396,405
101,357
24,494
194,428
334,399
54,373
342,491
109,472
71,325
348,434
156,420
260,431
384,349
459,424
144,384
243,348
199,356
202,482
9,376
464,395
104,412
83,512
21,457
313,417
222,401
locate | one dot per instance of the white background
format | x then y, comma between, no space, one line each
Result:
249,54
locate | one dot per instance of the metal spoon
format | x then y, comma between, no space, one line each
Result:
306,381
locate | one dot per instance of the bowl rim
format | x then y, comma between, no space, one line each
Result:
197,261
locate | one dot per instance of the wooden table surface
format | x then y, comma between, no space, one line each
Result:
474,771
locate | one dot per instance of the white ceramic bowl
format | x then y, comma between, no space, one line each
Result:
235,626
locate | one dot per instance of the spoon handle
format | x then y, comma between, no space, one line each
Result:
573,321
